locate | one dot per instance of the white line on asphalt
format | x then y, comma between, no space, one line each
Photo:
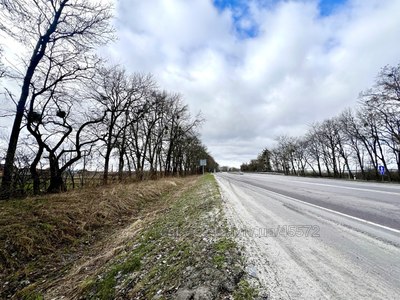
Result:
338,213
350,188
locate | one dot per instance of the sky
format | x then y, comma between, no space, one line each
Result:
260,68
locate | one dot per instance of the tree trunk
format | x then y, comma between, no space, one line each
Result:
57,184
346,163
398,166
72,176
360,162
37,55
319,167
293,167
121,164
129,165
34,173
106,166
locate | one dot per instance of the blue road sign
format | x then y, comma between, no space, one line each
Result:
381,170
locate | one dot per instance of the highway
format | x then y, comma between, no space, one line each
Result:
313,238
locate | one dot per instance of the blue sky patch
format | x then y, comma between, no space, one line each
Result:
245,27
327,7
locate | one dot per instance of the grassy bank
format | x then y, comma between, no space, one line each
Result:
186,253
42,236
165,239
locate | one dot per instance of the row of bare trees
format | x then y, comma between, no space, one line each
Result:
355,143
73,109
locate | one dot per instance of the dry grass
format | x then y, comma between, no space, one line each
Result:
41,234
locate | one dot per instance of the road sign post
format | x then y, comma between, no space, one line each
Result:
381,171
203,163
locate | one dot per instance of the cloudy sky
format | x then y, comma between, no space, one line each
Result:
260,68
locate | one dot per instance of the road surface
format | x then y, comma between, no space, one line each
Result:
317,238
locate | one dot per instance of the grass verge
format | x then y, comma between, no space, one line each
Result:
187,253
101,244
42,236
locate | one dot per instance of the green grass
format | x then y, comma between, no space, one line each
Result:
245,291
29,293
224,245
105,288
221,247
162,257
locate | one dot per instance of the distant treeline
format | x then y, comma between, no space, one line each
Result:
355,143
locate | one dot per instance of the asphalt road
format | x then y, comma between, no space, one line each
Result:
317,238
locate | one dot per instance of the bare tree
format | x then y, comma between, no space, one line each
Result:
157,131
56,33
351,129
181,127
124,99
370,136
383,100
59,125
314,148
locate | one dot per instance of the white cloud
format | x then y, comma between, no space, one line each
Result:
299,68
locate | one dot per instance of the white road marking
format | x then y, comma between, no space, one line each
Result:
336,212
349,188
